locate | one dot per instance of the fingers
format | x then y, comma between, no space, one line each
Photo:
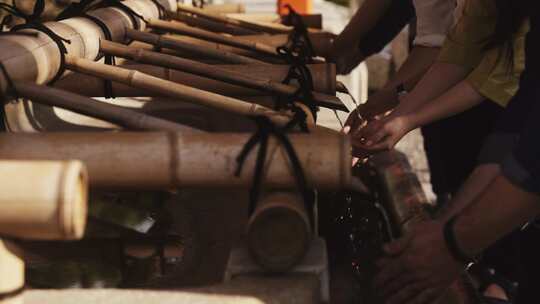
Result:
398,246
396,287
406,294
377,137
390,269
428,296
414,294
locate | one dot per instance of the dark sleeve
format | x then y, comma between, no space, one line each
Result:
398,14
522,167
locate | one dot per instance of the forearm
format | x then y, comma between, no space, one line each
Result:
412,70
501,208
362,22
416,65
482,176
439,78
456,100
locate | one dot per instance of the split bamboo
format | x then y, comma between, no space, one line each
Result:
121,116
279,231
12,275
183,29
93,86
321,45
175,44
147,160
321,41
172,89
213,72
43,199
213,26
276,29
225,8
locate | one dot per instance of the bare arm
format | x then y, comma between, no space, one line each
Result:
501,208
384,134
456,100
439,79
361,23
482,176
418,62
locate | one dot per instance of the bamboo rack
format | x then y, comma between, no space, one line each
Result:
148,160
37,59
172,89
274,29
94,85
213,72
175,44
210,25
183,29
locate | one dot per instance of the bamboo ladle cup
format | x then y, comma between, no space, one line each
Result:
213,72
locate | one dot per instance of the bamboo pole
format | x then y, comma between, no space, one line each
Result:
225,8
214,72
279,231
43,199
174,44
230,21
147,160
12,275
211,25
183,29
94,86
175,90
115,114
321,41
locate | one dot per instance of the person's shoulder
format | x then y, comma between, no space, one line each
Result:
480,8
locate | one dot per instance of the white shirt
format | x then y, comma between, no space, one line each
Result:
434,18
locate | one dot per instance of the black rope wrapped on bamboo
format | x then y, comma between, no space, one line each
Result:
266,129
80,9
299,41
33,22
198,3
76,9
298,52
162,11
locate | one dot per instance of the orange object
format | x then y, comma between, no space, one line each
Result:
302,7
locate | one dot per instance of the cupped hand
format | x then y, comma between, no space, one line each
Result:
382,134
418,268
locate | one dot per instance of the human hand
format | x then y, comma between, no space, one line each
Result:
345,59
382,134
418,268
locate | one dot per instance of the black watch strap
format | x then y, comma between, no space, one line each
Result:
451,243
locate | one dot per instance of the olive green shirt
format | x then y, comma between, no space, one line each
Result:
493,75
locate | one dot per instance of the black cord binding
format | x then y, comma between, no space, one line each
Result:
298,52
33,22
266,129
